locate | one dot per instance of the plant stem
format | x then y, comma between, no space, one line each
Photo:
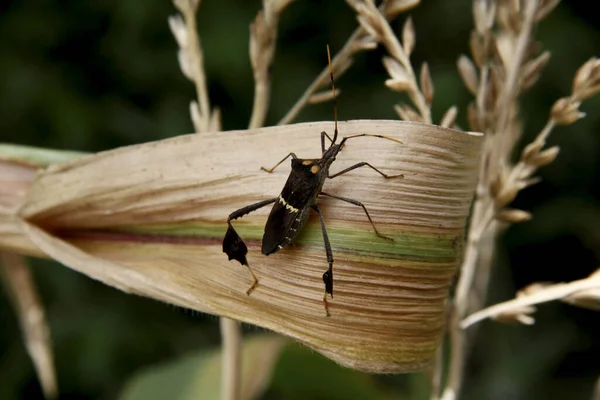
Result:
260,105
231,361
19,283
188,10
483,209
344,55
553,292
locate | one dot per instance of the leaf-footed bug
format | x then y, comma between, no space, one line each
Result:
291,208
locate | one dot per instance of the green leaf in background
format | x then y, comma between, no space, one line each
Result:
302,374
198,376
289,372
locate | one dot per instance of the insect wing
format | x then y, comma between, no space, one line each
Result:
278,227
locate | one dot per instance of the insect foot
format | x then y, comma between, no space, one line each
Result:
254,284
236,249
328,280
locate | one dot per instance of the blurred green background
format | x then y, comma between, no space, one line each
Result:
91,76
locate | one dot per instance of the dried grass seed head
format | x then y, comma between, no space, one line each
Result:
586,82
589,299
449,118
392,8
408,36
532,70
544,157
513,216
484,15
426,84
468,73
407,113
565,111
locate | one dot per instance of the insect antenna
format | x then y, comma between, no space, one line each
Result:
335,131
371,135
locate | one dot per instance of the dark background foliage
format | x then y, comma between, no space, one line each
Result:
92,76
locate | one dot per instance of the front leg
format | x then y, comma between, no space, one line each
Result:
323,134
328,275
279,163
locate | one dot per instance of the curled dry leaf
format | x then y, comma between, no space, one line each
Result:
149,219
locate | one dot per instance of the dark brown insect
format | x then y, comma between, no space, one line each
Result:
299,195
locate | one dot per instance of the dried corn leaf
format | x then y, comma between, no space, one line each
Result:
149,219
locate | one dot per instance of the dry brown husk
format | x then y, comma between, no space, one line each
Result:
149,219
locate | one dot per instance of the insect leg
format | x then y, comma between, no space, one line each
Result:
323,134
248,209
277,165
234,246
358,203
363,164
328,275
